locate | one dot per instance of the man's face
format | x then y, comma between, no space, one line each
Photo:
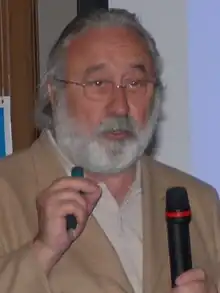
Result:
109,54
107,120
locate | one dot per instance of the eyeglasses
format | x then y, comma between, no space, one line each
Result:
104,89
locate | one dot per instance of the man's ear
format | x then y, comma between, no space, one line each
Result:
51,93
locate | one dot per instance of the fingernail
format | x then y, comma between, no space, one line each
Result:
72,234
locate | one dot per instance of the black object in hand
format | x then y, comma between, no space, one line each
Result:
71,221
178,216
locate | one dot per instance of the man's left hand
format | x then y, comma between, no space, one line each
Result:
194,281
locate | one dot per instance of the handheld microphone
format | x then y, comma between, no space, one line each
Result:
178,216
71,221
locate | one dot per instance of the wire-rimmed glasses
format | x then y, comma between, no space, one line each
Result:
101,89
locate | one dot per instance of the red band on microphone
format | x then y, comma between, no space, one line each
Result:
178,214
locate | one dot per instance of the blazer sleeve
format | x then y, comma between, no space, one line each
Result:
19,270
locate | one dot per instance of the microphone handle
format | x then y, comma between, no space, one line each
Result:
71,221
179,249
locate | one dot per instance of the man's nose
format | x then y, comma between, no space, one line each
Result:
119,101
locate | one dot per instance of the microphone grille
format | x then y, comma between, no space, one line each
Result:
177,199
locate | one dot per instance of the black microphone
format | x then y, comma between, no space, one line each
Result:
71,221
178,216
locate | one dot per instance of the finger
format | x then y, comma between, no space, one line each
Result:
67,206
92,199
87,200
68,195
79,184
70,208
49,201
194,286
190,276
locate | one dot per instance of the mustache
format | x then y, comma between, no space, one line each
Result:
120,123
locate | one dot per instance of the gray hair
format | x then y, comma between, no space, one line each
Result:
57,57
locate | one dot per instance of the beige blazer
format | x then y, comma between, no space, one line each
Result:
91,265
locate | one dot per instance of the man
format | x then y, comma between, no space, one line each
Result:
101,102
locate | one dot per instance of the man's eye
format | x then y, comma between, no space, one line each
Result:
97,83
136,83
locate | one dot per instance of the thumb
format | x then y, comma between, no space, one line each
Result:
93,198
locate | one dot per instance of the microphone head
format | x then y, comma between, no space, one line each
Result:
177,199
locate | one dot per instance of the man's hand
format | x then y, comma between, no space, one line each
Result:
194,281
62,198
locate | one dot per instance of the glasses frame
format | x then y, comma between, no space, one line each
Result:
127,86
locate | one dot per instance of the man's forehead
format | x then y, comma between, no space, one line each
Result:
97,49
105,35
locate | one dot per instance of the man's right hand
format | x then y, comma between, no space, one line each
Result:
62,198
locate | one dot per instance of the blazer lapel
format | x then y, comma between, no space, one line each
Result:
155,248
91,256
46,162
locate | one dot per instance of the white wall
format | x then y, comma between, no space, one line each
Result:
167,21
53,16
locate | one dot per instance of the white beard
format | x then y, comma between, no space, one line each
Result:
95,153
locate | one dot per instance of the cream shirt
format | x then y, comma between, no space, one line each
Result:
121,224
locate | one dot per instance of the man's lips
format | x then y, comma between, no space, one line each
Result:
118,134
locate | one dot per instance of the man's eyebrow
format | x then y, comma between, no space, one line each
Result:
140,67
97,67
94,68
